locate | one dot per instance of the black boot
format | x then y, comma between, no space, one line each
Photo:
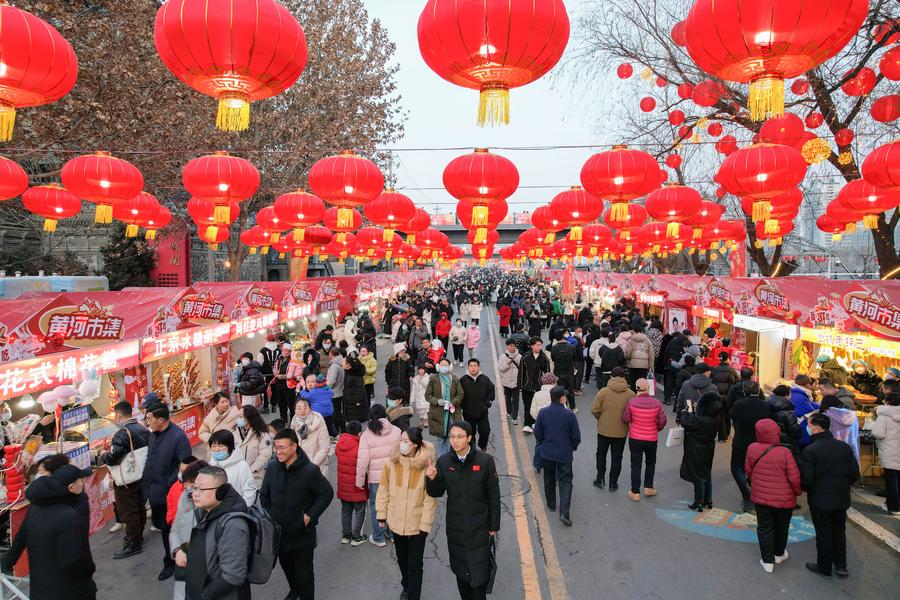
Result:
167,571
129,549
600,482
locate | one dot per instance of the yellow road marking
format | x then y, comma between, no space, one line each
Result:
555,579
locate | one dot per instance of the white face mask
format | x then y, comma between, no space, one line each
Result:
326,346
405,447
245,362
443,369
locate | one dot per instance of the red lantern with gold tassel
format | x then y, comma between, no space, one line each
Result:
674,205
497,212
136,212
346,181
544,219
203,212
620,175
708,214
221,178
159,220
268,220
481,178
103,180
213,235
300,210
761,172
577,208
53,202
420,222
881,167
337,221
390,210
868,200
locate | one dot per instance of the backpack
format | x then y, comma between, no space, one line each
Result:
265,540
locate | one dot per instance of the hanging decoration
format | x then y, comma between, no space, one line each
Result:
346,181
673,205
620,175
342,223
268,221
103,180
420,222
761,171
881,167
544,219
13,179
136,212
868,200
221,178
52,202
886,109
481,178
157,221
390,210
299,209
576,208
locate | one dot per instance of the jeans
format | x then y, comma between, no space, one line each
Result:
642,450
892,484
527,397
618,448
130,511
558,471
467,592
702,491
512,401
568,382
772,526
482,430
831,538
588,368
410,552
458,353
442,444
737,471
299,572
158,518
377,530
353,514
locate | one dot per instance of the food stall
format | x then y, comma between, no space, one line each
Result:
297,303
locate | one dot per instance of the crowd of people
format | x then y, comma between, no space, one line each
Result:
394,452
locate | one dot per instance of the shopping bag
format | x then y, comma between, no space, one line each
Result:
131,468
651,390
675,437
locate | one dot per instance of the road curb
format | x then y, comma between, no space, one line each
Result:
874,529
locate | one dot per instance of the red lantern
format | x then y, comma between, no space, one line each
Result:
420,222
481,178
390,210
708,214
673,204
686,91
678,34
843,137
237,51
881,167
491,239
889,29
773,233
761,172
786,129
429,240
782,207
346,181
727,144
673,161
708,92
38,65
829,225
103,180
135,212
800,86
299,209
318,235
814,120
841,213
861,83
157,221
714,129
493,46
647,104
886,108
634,217
624,71
544,219
576,207
620,175
764,43
13,178
868,200
685,131
661,82
889,65
213,235
52,202
267,219
256,237
340,223
203,212
221,178
595,235
676,117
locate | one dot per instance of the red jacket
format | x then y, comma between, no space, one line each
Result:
346,451
442,327
505,313
775,478
172,499
646,418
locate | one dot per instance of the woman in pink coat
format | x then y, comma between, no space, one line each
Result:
375,445
473,334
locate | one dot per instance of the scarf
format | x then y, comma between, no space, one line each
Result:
445,388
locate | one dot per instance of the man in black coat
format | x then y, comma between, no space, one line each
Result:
534,364
674,351
56,538
478,396
749,408
828,468
469,478
295,493
563,355
129,498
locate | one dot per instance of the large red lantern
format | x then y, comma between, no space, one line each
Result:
860,84
13,179
103,180
255,238
237,51
782,207
221,178
299,209
544,219
868,200
481,178
576,207
135,212
390,210
708,214
497,212
889,65
882,166
760,172
767,41
420,222
829,225
493,46
346,181
886,108
157,221
267,219
37,65
673,204
53,202
620,175
337,221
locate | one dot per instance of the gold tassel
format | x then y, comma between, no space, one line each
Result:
835,237
482,261
761,210
549,238
698,233
605,256
493,105
714,246
479,216
851,227
771,226
766,98
626,234
870,222
131,230
50,225
233,113
629,249
480,235
692,250
656,247
672,230
7,121
150,234
222,214
252,249
758,244
214,247
211,232
103,214
299,234
281,255
370,252
722,251
679,246
618,211
575,233
274,237
344,218
264,250
411,239
388,235
579,251
388,254
341,237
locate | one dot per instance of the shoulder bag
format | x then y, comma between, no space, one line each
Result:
131,468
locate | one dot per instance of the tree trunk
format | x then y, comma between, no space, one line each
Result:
885,249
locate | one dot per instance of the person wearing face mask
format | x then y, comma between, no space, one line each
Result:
458,341
444,394
222,454
371,365
403,506
325,355
863,379
254,442
473,335
56,538
356,399
223,416
312,433
375,446
399,412
180,515
508,365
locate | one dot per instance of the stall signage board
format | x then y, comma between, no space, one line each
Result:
36,374
74,417
297,312
170,344
258,298
772,300
327,305
650,298
201,308
80,456
862,343
189,421
709,313
874,310
757,324
253,324
83,326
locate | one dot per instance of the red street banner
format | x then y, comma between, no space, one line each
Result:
190,420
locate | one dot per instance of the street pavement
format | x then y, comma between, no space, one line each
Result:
616,548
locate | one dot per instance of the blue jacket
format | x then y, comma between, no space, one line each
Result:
556,430
167,448
803,405
320,400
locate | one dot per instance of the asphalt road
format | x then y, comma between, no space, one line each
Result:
616,548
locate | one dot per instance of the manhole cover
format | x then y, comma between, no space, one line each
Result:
512,486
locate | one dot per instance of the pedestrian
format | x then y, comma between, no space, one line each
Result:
295,493
701,425
646,418
223,416
782,412
356,398
473,335
375,445
827,470
688,369
804,406
320,398
458,341
220,541
607,355
417,398
863,379
181,518
844,422
403,506
254,442
400,368
286,372
776,485
639,354
557,431
508,365
168,446
442,330
129,497
240,477
749,409
533,365
399,412
562,354
266,357
334,379
578,344
608,408
695,387
886,432
504,315
353,499
445,396
724,377
469,478
312,433
478,396
828,388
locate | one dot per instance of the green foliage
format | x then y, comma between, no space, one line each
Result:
127,261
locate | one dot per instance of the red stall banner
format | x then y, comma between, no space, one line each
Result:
190,420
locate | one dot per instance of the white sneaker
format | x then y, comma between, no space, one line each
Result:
527,429
782,558
154,528
379,544
116,528
767,567
889,511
